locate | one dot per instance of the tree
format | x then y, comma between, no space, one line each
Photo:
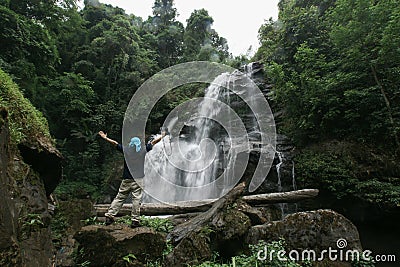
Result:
168,32
331,68
201,42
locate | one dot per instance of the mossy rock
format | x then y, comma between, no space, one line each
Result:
192,250
107,245
26,122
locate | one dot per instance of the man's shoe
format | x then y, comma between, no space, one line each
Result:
135,224
109,220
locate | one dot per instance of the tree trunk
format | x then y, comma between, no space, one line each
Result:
195,224
389,108
203,205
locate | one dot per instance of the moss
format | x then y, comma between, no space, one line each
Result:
25,121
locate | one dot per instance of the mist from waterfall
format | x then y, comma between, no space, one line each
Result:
194,160
208,154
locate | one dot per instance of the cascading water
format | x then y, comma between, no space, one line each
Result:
195,161
219,132
285,168
285,207
278,170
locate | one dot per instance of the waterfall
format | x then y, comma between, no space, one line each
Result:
285,207
195,159
209,152
278,170
284,165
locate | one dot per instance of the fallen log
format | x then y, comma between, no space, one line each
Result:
182,207
281,197
195,224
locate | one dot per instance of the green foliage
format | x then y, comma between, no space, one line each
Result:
92,221
326,171
252,259
363,263
58,225
81,67
200,41
124,220
84,264
26,122
332,71
29,223
158,224
128,258
168,249
381,192
77,189
158,262
347,170
32,220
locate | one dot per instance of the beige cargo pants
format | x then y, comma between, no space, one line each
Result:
127,186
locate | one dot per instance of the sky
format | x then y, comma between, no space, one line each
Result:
237,21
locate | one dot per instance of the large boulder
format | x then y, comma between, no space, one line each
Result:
108,245
317,230
191,250
229,229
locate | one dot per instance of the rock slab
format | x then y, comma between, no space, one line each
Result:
108,245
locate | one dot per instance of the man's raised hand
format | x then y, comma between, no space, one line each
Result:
102,134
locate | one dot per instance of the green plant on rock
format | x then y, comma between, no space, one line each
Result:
159,224
30,223
167,250
59,226
252,259
92,221
363,263
84,264
25,120
124,220
128,258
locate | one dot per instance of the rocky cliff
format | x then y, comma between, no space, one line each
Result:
30,169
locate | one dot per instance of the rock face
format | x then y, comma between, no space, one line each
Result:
316,230
192,250
8,223
108,245
229,230
281,175
24,218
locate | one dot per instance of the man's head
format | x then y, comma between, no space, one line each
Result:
135,142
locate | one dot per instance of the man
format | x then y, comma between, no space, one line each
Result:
131,181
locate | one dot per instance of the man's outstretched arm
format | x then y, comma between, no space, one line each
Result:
104,136
155,141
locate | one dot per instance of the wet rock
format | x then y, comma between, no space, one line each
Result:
108,245
9,247
255,215
229,229
271,212
316,230
65,252
231,224
69,217
192,250
37,248
24,224
76,211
